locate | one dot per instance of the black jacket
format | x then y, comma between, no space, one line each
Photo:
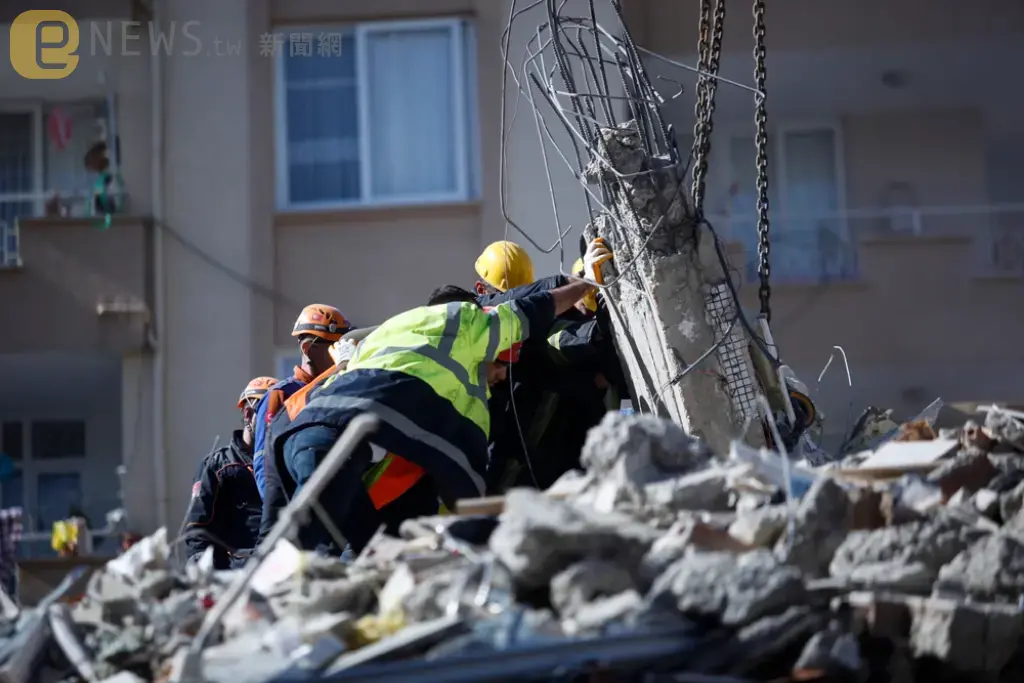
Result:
225,508
556,398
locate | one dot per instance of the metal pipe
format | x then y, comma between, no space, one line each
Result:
159,450
356,432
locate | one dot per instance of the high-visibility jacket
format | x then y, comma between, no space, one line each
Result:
423,374
386,481
266,409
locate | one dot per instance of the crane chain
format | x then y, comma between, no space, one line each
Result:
709,58
764,269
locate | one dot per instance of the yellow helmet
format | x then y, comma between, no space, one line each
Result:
577,268
505,266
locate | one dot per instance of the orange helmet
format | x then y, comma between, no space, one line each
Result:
255,390
321,321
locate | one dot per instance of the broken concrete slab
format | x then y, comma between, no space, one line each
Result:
761,527
823,518
968,471
584,582
735,589
650,448
1006,429
990,569
932,543
970,638
539,537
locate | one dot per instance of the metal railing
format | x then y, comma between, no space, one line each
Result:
826,248
57,204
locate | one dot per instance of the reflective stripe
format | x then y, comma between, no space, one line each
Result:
405,426
493,338
524,321
390,479
373,474
442,353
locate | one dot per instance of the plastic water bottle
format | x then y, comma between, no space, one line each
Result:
626,408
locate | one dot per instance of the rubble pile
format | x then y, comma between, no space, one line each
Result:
902,563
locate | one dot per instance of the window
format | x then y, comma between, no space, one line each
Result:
286,362
386,117
810,241
39,157
42,149
46,477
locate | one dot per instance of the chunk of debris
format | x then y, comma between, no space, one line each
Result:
735,589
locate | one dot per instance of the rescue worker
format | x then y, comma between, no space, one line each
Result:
225,508
562,388
425,374
316,328
502,266
397,488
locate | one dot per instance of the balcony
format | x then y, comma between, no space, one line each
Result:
873,246
923,302
75,283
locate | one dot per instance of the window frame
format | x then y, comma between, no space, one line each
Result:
32,468
37,108
779,212
778,150
462,38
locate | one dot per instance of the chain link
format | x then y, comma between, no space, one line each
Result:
764,269
709,59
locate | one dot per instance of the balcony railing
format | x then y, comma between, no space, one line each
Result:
827,248
15,207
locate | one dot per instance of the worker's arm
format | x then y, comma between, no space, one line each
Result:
275,497
259,442
540,286
566,297
201,512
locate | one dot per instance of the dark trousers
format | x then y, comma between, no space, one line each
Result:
344,500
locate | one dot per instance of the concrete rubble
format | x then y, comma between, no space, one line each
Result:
663,557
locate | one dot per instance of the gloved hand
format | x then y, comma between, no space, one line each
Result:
342,351
597,254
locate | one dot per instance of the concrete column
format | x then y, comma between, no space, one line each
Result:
209,200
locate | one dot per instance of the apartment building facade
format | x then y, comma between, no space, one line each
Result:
281,152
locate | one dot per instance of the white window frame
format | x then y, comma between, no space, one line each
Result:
464,94
38,152
776,137
37,109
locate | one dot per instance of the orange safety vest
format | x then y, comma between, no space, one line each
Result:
387,480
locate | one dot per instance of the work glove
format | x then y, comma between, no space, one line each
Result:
597,254
342,351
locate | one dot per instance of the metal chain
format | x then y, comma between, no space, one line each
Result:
764,269
710,52
703,54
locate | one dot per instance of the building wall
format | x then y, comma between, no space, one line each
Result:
829,24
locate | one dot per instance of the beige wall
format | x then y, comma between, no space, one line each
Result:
827,24
940,153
